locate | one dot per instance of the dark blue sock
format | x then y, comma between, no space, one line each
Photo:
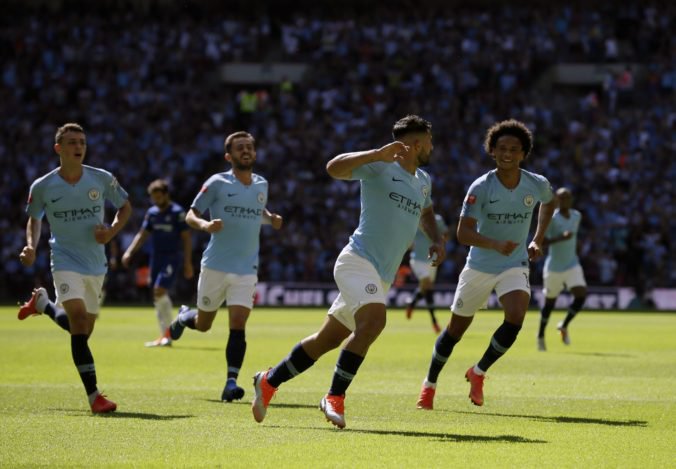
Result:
294,364
187,318
346,369
442,350
544,316
58,315
84,362
234,352
574,308
502,340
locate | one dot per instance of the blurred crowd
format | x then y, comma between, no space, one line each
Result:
145,85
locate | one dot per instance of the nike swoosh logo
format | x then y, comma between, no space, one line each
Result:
57,199
493,201
230,195
397,180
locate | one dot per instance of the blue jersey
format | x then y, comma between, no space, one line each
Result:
165,228
563,254
73,211
392,200
422,243
233,249
503,214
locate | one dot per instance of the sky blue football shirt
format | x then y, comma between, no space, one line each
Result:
73,211
503,214
563,255
392,200
422,243
234,249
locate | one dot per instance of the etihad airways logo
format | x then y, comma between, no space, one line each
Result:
77,214
405,203
243,212
509,218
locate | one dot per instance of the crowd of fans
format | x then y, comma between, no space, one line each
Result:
146,88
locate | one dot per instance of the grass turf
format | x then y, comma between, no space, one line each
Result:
607,400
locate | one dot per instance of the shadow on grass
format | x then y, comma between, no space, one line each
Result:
275,405
601,354
443,437
125,415
566,419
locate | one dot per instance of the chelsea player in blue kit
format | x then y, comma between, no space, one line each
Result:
395,199
236,202
164,223
494,221
562,266
73,198
424,271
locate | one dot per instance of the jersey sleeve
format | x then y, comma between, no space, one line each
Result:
113,191
35,206
368,170
147,224
428,196
206,195
474,201
546,192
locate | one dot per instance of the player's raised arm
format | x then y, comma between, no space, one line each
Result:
341,166
194,220
429,225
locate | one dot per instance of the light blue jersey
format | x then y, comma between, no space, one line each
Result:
233,249
73,211
503,214
563,254
392,200
422,243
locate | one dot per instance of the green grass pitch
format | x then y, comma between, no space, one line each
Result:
607,400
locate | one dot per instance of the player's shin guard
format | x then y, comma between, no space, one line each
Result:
84,362
345,371
574,308
294,364
501,341
440,354
234,352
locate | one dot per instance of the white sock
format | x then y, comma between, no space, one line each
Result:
427,384
163,306
42,302
92,396
478,371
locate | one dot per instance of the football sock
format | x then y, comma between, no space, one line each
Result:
187,318
294,364
574,308
501,341
429,299
544,315
234,352
416,296
163,308
440,353
84,362
345,371
58,315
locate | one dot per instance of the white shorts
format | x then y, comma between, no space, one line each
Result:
359,285
214,287
474,288
74,286
423,269
555,282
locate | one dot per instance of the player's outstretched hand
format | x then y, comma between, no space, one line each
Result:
214,226
437,254
505,247
103,234
276,221
27,256
393,152
534,251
